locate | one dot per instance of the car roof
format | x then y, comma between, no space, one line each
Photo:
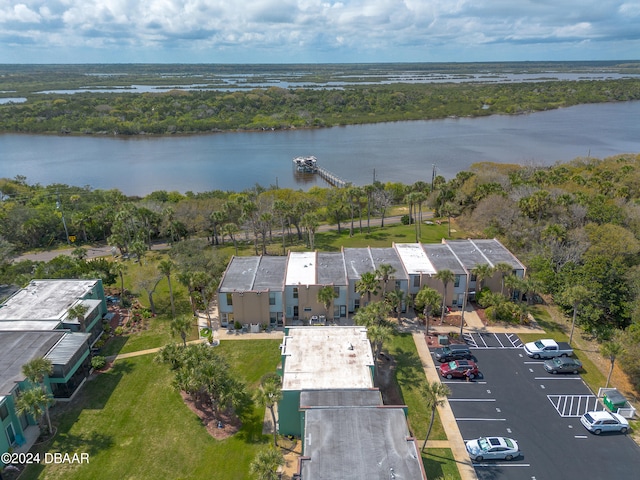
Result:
601,415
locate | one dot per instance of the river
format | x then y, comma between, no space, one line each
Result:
401,151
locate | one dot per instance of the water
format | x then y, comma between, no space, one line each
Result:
400,152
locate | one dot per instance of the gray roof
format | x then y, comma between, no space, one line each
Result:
340,398
18,348
67,347
497,253
271,273
442,258
45,299
357,261
468,253
240,274
331,269
359,443
389,256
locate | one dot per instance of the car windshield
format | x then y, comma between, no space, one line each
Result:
483,443
509,442
589,418
539,344
452,365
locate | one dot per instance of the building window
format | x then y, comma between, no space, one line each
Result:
229,299
456,282
416,281
356,304
295,292
473,277
398,285
4,411
336,291
272,299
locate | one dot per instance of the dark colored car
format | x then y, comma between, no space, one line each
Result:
452,352
458,369
562,365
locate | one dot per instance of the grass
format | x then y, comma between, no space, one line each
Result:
440,464
132,412
410,377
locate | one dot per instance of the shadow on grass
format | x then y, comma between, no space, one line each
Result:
409,370
439,463
252,423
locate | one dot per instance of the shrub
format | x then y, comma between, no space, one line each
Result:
119,331
237,325
98,362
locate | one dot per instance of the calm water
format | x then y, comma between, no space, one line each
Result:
402,151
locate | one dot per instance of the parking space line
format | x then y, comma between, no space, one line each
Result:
469,419
516,343
501,464
557,377
469,340
472,399
574,405
498,339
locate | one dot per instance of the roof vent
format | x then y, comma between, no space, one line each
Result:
349,346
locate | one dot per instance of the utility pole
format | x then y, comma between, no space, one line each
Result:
64,223
464,307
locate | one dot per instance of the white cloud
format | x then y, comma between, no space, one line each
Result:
327,30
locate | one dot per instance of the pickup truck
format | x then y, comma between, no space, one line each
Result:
547,348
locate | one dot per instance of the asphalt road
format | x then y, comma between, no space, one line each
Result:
517,398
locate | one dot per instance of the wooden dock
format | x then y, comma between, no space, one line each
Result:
330,178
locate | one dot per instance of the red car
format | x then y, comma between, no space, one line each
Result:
458,369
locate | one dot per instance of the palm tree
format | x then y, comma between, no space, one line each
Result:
576,295
231,229
35,371
504,269
368,284
269,393
482,271
434,394
120,269
446,276
428,300
612,350
378,335
35,402
166,267
385,273
326,295
180,327
395,299
265,465
77,312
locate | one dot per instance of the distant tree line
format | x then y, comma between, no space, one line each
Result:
184,112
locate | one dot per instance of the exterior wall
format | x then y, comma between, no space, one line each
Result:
251,307
289,417
65,386
11,419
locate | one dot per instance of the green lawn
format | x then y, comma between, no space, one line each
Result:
439,464
410,376
132,413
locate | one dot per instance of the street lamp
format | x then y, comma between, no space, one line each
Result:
464,306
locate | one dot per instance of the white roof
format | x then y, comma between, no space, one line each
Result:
327,358
301,268
415,259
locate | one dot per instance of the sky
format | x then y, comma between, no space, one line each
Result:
317,31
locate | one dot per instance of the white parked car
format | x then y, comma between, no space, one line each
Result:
493,448
603,421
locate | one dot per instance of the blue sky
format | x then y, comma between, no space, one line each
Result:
316,31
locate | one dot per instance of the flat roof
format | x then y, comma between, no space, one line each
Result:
301,268
415,259
442,258
240,274
326,358
389,256
45,299
18,348
468,253
359,443
331,269
357,261
271,273
497,253
340,398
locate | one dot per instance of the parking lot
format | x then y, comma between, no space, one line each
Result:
515,397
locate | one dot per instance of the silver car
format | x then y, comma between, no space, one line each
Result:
603,421
493,448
